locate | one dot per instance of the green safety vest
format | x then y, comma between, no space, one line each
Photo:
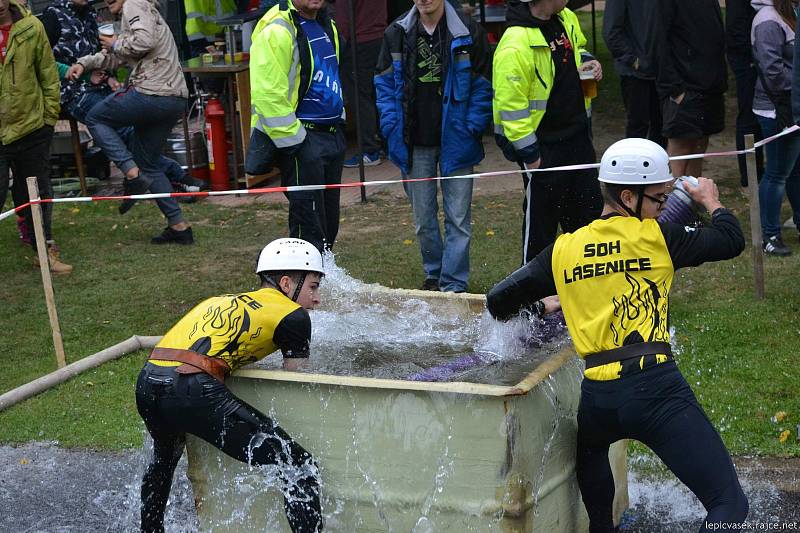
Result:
275,76
523,73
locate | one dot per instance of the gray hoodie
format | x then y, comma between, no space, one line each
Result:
146,45
773,51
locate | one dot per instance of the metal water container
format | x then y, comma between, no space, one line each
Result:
176,149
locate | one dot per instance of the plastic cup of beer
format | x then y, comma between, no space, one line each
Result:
588,83
106,29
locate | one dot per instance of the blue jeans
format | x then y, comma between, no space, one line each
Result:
152,118
80,107
782,173
446,261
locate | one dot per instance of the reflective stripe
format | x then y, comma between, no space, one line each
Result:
515,115
498,129
295,53
278,122
292,140
195,15
525,141
537,105
293,68
462,57
397,56
285,24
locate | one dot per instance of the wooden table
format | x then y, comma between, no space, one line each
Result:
237,77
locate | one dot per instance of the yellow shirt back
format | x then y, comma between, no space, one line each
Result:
238,328
613,278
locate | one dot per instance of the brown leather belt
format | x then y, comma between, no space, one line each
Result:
193,362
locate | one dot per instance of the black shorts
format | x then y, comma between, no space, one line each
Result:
698,115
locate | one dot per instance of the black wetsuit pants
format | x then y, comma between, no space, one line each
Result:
658,408
173,405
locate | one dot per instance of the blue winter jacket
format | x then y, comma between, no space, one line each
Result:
466,96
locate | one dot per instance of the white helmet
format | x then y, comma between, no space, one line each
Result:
635,162
289,254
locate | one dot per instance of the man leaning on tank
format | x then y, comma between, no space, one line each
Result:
612,279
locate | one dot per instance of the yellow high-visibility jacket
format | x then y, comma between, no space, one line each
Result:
523,73
281,64
200,15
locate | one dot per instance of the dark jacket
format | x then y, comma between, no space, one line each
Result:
72,32
691,48
467,91
738,20
630,29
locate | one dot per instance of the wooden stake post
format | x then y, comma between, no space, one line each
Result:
44,265
755,217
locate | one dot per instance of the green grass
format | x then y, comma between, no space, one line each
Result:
738,354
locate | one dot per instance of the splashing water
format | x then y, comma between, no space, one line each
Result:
363,332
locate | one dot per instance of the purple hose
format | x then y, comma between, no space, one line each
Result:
551,327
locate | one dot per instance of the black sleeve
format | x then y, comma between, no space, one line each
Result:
293,334
51,26
532,282
614,32
481,56
668,80
695,246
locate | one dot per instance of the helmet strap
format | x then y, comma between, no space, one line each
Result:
638,212
639,202
299,286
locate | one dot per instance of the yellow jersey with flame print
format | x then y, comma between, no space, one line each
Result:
613,278
238,328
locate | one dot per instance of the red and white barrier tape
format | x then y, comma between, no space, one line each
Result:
297,188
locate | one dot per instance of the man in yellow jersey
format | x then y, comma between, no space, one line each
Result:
612,279
181,388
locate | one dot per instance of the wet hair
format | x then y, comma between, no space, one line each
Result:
272,278
786,10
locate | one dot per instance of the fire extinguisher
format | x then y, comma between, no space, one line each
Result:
217,145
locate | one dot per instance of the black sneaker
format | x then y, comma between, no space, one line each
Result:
191,181
774,246
138,185
182,187
430,284
170,235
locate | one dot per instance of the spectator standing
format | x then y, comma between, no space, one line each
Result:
630,29
298,103
152,103
71,27
29,108
692,78
541,117
434,100
738,21
371,18
773,50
